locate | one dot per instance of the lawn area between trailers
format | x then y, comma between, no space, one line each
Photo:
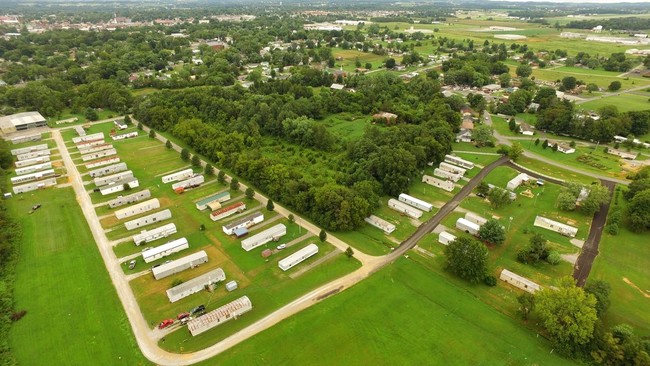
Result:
73,314
554,171
402,307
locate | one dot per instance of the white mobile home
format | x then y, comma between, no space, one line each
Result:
219,197
99,155
244,222
110,169
415,202
446,175
84,146
96,149
147,236
164,250
443,184
271,234
195,181
478,220
467,226
110,179
94,136
297,257
228,211
623,154
380,223
216,317
28,138
33,168
148,220
103,162
195,285
519,281
32,155
179,265
183,174
32,177
35,185
451,159
515,182
125,200
28,162
120,125
452,168
138,208
29,149
78,129
404,208
445,238
558,227
119,186
125,136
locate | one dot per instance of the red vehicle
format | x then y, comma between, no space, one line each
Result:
165,323
182,316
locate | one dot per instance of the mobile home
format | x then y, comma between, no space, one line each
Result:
179,265
147,236
415,202
271,234
298,257
196,284
165,250
148,220
404,208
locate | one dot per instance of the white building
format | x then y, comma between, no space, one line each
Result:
478,220
467,226
125,200
515,182
29,149
99,154
443,184
195,181
148,220
147,236
404,208
94,136
113,178
519,281
137,209
380,223
271,234
446,175
34,185
103,162
228,211
195,285
451,159
445,238
32,155
565,148
183,174
125,136
179,265
110,169
452,168
623,154
298,257
219,197
85,145
28,138
96,148
36,160
119,186
415,202
33,168
20,122
165,250
244,222
32,177
558,227
216,317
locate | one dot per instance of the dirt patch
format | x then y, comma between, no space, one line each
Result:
577,242
571,258
644,293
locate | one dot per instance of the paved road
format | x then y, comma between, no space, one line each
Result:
589,250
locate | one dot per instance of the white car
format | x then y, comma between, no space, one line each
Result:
281,246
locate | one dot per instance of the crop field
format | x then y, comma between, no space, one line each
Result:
625,103
73,314
403,305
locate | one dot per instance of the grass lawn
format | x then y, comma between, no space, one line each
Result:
588,78
624,103
347,126
402,307
350,56
554,171
483,160
73,314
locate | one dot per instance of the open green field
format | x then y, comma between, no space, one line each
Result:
588,78
347,126
583,71
81,118
624,102
402,315
554,171
350,56
73,314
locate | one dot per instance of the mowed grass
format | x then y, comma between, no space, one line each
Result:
625,103
73,314
588,78
347,126
402,315
554,171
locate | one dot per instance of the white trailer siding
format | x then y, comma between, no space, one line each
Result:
148,220
125,136
29,149
98,155
219,197
195,285
517,181
22,139
415,202
183,174
119,186
78,129
147,236
478,220
28,162
558,227
111,169
380,223
519,281
247,221
125,200
452,168
32,155
33,176
271,234
35,185
458,161
189,183
228,211
179,265
442,184
103,162
404,208
33,168
467,226
95,149
113,178
138,208
84,146
164,250
94,136
446,175
298,257
445,238
216,317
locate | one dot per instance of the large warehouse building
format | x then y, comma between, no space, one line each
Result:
195,285
20,122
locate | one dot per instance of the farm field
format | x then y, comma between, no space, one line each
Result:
625,103
73,314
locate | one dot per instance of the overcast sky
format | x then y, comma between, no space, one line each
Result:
582,1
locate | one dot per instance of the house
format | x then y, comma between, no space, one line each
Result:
565,148
464,136
623,154
467,123
526,129
336,86
558,227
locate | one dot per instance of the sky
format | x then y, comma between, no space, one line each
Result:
581,1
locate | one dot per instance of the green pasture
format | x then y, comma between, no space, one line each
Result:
624,102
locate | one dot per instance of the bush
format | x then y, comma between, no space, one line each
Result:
554,258
176,282
612,229
490,280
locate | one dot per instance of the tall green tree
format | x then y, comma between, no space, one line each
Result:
516,151
234,184
467,258
601,291
492,232
185,154
598,195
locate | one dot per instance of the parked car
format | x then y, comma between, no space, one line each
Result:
197,309
281,246
165,323
132,264
185,320
182,316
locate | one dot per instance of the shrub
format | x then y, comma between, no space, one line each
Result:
612,229
554,258
176,282
490,280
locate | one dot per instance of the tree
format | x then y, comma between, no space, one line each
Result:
349,252
499,197
535,252
569,83
526,304
127,120
601,290
537,142
545,144
209,170
598,195
524,71
568,314
504,80
291,218
196,161
516,151
168,144
234,184
483,188
269,205
467,258
152,134
614,85
635,187
140,126
482,135
390,63
566,201
591,87
492,232
126,187
250,193
322,235
185,154
91,114
639,211
512,125
221,177
368,66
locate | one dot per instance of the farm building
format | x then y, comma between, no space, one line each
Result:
478,220
467,226
445,238
244,222
195,181
297,257
94,136
179,265
164,250
28,138
195,285
134,197
228,211
218,316
219,197
32,155
519,281
183,174
415,202
558,227
95,149
33,168
149,219
137,209
98,155
32,177
78,129
125,136
404,208
29,149
458,161
515,182
110,179
119,186
35,185
21,121
84,146
623,154
110,169
446,175
147,236
443,184
28,162
271,234
452,168
380,223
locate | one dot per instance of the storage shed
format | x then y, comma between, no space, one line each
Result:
228,211
183,174
443,184
271,234
297,257
231,286
179,265
216,317
467,226
137,209
244,222
519,281
164,250
558,227
415,202
445,238
219,197
148,220
195,285
380,223
147,236
404,208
